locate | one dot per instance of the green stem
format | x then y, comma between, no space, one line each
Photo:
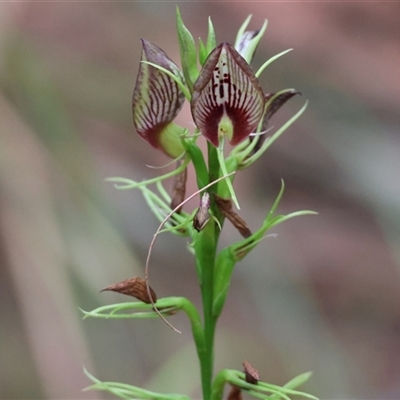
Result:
206,250
205,255
214,173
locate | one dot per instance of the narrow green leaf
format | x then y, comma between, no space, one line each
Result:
298,380
281,218
188,51
125,183
270,61
224,265
276,202
126,391
274,137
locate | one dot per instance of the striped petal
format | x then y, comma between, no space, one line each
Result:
227,100
157,100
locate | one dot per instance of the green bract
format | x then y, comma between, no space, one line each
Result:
188,51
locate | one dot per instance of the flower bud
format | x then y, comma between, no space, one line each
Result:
247,41
202,215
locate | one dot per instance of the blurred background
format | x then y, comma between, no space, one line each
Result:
324,295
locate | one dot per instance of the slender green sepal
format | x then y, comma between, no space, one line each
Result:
125,183
299,380
272,139
139,310
176,78
259,390
135,309
178,221
241,146
188,52
223,189
181,229
129,392
165,195
220,152
228,257
241,152
276,203
270,61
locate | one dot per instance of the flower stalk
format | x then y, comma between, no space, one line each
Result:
228,105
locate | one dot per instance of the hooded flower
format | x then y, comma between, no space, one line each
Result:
227,99
157,100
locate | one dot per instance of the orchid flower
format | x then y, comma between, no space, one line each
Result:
227,105
157,100
227,99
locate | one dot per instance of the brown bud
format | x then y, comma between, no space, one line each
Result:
235,394
202,215
135,287
225,205
251,373
179,188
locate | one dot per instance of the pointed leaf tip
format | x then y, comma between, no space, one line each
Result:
187,48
